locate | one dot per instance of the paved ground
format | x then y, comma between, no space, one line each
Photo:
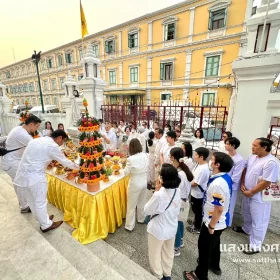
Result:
234,265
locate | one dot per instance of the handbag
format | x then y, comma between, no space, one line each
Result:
148,218
272,192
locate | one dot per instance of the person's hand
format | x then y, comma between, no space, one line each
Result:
211,231
243,188
247,193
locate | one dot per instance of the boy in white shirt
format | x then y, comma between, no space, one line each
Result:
198,187
215,218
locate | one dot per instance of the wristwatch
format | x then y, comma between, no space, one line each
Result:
210,227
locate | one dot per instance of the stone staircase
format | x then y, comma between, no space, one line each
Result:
27,253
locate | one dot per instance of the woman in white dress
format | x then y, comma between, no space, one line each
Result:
48,129
124,141
188,154
151,148
137,168
199,138
221,145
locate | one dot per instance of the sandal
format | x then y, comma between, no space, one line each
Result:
190,275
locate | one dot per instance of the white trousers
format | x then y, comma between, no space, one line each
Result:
36,196
12,171
256,219
161,256
136,198
232,205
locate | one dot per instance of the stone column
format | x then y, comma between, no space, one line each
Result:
121,74
191,25
149,80
150,35
120,43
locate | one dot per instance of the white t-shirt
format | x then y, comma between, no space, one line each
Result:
189,163
201,175
218,193
185,185
17,138
236,171
164,226
165,151
265,168
113,140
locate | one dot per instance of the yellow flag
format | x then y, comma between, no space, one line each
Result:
83,21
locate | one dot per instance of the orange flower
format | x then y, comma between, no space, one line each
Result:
85,103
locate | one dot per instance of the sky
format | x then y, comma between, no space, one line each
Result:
28,25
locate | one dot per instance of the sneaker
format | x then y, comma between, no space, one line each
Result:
177,252
25,210
192,229
190,221
182,244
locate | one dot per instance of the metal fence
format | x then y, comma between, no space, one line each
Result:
274,135
212,120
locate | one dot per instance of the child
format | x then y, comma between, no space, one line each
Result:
198,187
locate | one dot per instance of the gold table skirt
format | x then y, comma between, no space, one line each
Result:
92,216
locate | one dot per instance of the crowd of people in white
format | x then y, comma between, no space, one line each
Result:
177,176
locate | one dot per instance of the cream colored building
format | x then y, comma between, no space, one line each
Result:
177,54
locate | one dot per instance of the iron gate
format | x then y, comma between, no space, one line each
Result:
212,119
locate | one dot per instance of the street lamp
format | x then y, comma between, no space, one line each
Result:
36,58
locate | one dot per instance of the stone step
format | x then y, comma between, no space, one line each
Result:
25,254
97,260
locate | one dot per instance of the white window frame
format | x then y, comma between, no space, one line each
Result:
224,4
59,65
165,22
166,61
210,54
61,84
215,92
44,83
71,54
134,84
165,102
55,84
49,59
95,46
108,39
133,30
110,70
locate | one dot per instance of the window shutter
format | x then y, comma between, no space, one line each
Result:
161,71
129,41
165,32
210,23
225,17
106,47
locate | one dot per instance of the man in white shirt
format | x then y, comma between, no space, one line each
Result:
146,130
231,144
215,218
109,138
262,169
31,176
165,150
161,140
19,137
198,187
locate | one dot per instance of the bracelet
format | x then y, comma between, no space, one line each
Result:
210,227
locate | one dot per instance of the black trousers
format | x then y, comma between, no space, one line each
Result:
208,251
197,209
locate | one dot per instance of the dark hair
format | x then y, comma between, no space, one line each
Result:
225,161
160,131
171,134
151,137
59,132
127,127
202,152
169,175
168,126
50,125
60,125
116,124
188,149
178,154
233,141
201,133
32,119
265,142
228,133
134,147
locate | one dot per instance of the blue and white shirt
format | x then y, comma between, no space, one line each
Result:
218,193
